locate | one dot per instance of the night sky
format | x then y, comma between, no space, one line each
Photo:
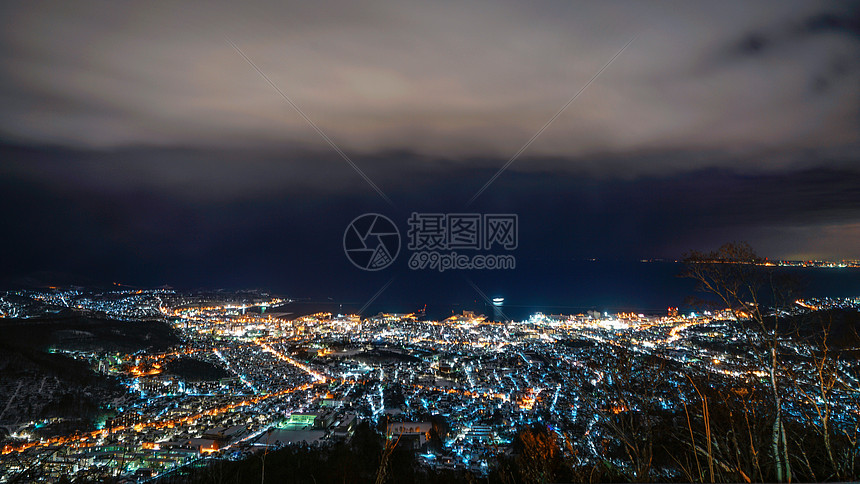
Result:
137,145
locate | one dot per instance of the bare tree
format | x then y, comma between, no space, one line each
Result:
540,454
819,386
387,450
743,283
725,431
630,411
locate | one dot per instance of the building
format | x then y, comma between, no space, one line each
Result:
413,434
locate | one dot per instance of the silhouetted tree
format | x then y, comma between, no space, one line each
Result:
540,458
741,282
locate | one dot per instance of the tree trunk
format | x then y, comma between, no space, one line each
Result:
777,422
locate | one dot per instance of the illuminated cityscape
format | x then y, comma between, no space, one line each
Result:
312,379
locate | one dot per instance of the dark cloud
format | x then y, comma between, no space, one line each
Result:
839,30
776,36
847,22
137,143
752,44
471,81
120,222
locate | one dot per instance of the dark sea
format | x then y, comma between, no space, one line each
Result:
551,287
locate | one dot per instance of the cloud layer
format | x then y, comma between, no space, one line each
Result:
136,143
436,78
